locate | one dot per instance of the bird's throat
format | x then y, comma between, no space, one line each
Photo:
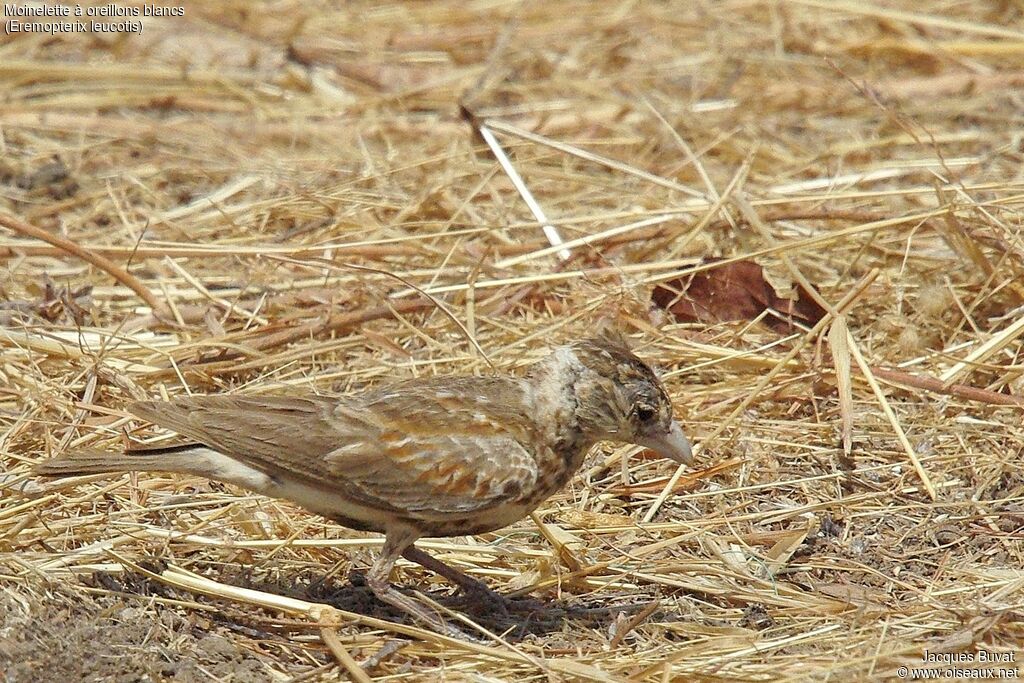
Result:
556,408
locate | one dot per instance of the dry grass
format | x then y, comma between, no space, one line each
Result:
233,163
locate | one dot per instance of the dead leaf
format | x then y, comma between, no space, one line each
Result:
837,339
735,291
778,555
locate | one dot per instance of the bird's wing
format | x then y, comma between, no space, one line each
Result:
443,445
436,473
406,453
281,436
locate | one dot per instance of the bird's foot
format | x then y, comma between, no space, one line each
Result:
419,611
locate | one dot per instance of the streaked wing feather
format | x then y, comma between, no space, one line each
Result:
438,474
404,451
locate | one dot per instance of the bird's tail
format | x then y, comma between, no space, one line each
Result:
170,459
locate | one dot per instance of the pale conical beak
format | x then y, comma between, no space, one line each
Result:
673,445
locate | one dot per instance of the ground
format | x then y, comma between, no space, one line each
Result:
805,214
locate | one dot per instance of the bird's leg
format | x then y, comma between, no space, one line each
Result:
464,581
395,544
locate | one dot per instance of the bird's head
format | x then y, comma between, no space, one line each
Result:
620,398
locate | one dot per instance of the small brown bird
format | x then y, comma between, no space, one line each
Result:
439,456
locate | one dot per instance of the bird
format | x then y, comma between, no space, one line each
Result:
426,457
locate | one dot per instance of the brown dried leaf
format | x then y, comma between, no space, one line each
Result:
734,291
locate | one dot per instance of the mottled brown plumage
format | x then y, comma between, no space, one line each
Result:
444,456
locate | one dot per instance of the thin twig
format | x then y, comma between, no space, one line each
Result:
111,268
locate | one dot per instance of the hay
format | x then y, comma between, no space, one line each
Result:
297,199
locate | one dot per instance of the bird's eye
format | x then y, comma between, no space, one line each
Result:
644,413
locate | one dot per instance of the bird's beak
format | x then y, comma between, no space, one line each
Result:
673,445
